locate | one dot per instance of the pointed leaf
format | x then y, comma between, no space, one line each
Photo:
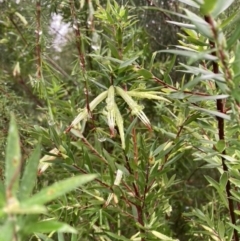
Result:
145,73
233,38
162,236
221,145
13,158
2,194
223,180
58,189
220,6
190,3
197,98
48,226
117,237
183,25
191,54
7,231
30,174
202,26
212,112
20,209
128,62
119,121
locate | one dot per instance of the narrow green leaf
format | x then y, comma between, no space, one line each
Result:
223,180
162,236
153,59
21,209
30,174
145,73
170,66
191,54
212,112
113,48
235,181
128,62
235,194
128,133
119,122
58,189
103,58
197,98
61,236
183,25
214,183
220,146
74,237
7,231
229,158
117,237
2,194
190,3
202,26
231,20
233,37
191,118
235,226
43,237
203,77
13,158
196,41
162,147
54,135
48,226
220,6
236,63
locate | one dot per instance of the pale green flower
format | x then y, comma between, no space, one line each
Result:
84,114
147,95
111,115
119,121
45,161
112,112
134,106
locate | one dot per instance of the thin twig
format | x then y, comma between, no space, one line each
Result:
38,44
161,82
81,57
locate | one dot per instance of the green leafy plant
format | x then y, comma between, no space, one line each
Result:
173,175
19,208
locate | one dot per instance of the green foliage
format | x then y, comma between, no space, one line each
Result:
18,209
164,151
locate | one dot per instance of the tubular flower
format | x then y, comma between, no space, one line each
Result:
44,163
119,121
111,115
147,95
83,114
136,109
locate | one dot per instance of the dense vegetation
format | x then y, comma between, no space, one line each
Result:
120,120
